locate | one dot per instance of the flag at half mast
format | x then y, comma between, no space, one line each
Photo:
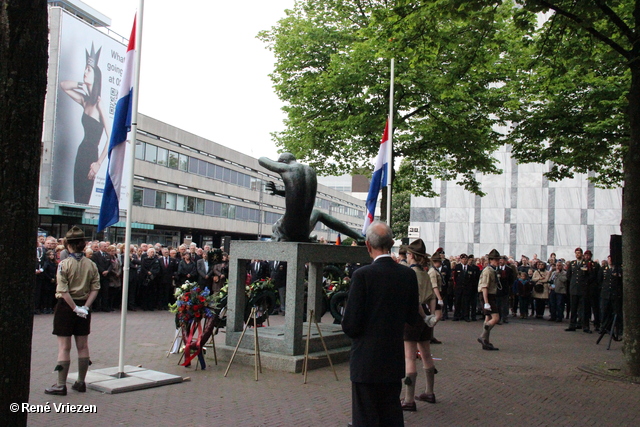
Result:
110,207
379,178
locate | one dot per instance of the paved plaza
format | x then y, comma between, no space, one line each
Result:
534,380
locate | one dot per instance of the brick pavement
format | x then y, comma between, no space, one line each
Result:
533,380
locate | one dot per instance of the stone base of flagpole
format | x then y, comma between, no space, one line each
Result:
136,378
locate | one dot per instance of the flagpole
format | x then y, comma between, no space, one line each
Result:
390,144
132,142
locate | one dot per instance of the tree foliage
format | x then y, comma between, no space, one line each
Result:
332,71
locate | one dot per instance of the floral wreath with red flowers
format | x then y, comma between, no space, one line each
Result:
192,303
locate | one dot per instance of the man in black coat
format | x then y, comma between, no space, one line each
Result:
168,270
103,262
383,296
578,276
279,277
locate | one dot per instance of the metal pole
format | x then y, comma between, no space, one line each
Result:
390,143
127,236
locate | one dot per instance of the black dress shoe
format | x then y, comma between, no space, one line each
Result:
587,331
79,386
435,341
411,407
58,390
570,329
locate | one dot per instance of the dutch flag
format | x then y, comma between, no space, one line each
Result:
110,207
378,180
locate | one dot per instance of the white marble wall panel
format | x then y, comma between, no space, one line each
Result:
493,234
458,197
429,233
570,198
529,180
495,181
567,216
609,199
530,198
528,250
532,234
425,202
531,168
570,235
456,215
458,233
577,181
496,198
528,216
492,216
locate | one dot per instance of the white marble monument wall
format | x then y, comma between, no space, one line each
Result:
522,213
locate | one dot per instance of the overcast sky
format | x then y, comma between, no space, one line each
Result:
203,69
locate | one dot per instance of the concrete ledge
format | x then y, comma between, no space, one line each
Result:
280,362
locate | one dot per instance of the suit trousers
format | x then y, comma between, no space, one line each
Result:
577,308
376,404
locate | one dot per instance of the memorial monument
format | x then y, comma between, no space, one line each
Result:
282,347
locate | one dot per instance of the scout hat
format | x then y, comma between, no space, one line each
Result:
75,234
494,254
437,257
417,247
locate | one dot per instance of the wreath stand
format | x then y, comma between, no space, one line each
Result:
305,366
194,338
257,361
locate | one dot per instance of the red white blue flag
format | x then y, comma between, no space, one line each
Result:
110,207
378,179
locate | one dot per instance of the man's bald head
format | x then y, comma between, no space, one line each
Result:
380,236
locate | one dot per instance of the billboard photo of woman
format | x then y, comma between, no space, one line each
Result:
87,93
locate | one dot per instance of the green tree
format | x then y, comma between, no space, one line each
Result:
332,71
400,212
566,82
23,78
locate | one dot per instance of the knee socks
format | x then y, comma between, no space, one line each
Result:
63,370
410,382
430,372
83,366
486,332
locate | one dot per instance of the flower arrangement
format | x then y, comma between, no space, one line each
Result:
192,303
337,286
258,286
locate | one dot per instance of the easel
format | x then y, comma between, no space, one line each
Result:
613,331
257,361
305,366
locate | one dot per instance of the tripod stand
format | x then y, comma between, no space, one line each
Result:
613,331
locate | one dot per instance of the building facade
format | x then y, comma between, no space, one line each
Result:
186,188
523,213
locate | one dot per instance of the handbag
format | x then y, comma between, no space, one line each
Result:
538,288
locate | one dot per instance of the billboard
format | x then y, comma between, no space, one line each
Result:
90,67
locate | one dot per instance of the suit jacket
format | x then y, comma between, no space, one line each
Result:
383,296
168,272
278,273
204,271
259,270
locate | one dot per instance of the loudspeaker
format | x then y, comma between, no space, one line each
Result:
226,243
615,249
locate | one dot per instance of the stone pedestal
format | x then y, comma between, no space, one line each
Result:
287,341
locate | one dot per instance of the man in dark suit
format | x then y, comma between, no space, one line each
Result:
103,262
462,277
383,296
259,270
279,277
204,266
168,269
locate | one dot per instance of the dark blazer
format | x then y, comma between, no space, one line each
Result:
203,271
259,270
279,274
383,296
184,269
168,272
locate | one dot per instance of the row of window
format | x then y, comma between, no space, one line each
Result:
148,197
174,160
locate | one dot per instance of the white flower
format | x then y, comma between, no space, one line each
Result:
185,286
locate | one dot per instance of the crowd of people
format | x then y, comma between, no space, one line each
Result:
154,272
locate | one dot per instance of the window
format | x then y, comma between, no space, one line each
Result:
137,196
181,203
183,162
171,201
161,199
149,198
211,170
202,168
191,204
140,150
227,175
219,172
217,208
193,165
173,160
162,156
224,211
200,206
150,153
233,178
208,207
232,212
